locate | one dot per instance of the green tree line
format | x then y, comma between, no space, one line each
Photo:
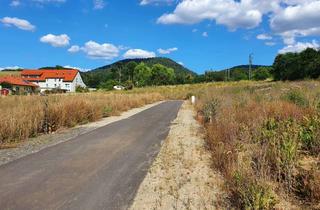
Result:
297,66
139,75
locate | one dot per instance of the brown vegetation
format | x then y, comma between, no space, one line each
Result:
27,116
260,136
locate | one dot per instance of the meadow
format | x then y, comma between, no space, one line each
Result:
264,137
28,116
265,140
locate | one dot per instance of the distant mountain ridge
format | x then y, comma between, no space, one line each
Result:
102,74
246,67
167,62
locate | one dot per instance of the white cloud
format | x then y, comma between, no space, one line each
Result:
74,49
98,4
79,68
15,3
19,23
10,67
205,34
264,37
299,46
139,53
56,40
100,51
288,18
231,13
167,51
146,2
270,43
299,19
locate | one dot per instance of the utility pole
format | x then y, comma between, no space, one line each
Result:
250,65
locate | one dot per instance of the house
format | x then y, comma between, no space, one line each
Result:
63,79
16,86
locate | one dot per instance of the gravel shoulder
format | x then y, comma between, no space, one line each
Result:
181,176
33,145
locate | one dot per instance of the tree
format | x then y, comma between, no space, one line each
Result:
287,67
262,73
239,74
295,66
108,85
161,75
130,67
142,75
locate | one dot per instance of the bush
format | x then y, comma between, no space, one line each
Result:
281,140
310,135
80,89
297,98
210,110
252,194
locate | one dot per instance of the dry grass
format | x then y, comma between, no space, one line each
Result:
258,133
27,116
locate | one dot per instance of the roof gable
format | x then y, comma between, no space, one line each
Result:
68,75
16,81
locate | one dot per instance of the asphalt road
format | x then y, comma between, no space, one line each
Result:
101,169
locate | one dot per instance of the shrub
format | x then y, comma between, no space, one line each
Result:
297,98
310,134
210,110
252,194
281,138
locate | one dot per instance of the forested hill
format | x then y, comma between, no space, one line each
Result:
167,62
102,74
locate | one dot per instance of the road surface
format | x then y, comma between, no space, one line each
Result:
101,169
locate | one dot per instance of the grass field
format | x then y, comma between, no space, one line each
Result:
265,140
27,116
264,137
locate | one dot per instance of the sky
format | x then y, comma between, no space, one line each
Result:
199,34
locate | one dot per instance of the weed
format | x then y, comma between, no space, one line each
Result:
296,97
210,110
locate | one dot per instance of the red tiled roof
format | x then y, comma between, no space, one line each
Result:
16,81
68,75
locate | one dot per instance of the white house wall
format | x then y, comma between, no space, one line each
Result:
52,83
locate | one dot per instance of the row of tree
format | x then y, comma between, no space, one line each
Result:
237,74
140,75
296,66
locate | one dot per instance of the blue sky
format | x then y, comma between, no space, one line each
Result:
201,34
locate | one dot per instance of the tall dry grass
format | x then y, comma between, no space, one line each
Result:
260,136
27,116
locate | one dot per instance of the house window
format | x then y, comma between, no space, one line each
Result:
67,85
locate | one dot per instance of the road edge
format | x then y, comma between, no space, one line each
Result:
34,145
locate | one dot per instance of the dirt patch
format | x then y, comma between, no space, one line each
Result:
33,145
181,177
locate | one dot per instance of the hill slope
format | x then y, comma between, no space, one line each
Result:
96,76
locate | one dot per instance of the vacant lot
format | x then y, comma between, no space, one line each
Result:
27,116
264,137
265,140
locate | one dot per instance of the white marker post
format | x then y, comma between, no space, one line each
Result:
193,100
